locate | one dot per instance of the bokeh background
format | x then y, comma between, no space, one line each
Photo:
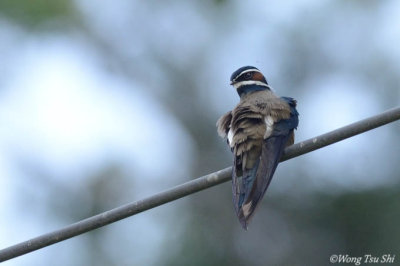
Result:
105,102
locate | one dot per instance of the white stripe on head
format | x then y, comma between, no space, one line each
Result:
249,70
249,82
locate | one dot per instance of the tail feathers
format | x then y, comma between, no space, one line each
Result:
249,189
242,183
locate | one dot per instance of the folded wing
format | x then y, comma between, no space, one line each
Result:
256,160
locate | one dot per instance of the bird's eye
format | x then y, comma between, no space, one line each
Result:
248,75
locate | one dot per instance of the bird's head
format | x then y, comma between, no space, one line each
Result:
247,79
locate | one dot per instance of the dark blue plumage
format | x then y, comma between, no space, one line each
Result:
285,126
250,88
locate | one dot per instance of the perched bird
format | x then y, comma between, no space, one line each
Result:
257,131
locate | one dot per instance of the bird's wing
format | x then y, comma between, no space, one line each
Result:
253,169
223,124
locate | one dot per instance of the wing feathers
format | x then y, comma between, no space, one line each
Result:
223,124
257,179
258,130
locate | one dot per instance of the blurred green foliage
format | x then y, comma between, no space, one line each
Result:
36,13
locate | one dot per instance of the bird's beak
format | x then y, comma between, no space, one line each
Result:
232,82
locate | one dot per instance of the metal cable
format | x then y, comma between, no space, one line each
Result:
190,187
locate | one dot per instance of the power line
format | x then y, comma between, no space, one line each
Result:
190,187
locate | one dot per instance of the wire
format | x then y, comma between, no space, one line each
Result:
190,187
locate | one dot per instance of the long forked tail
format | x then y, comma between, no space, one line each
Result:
249,189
